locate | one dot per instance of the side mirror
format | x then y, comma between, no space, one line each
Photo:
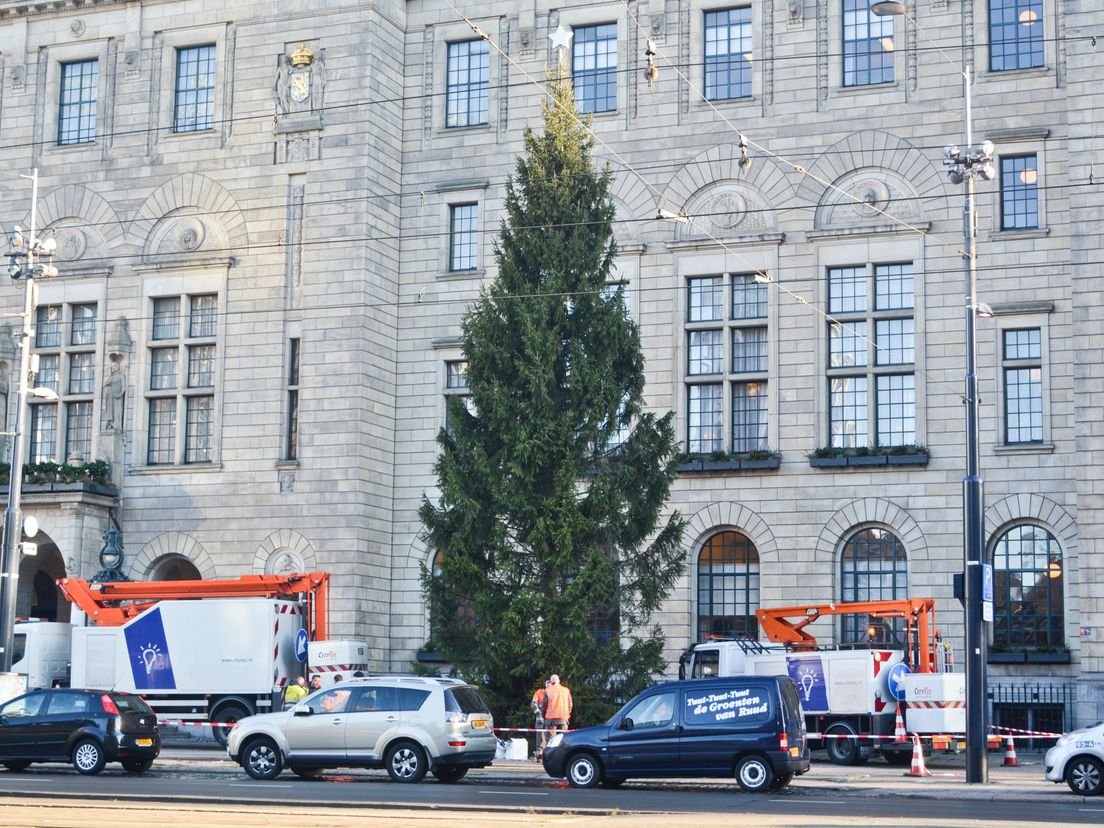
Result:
626,724
302,710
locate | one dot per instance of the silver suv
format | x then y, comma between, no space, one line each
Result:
406,724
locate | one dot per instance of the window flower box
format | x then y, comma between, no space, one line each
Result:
869,456
827,462
1042,657
716,465
866,460
908,459
760,464
1006,657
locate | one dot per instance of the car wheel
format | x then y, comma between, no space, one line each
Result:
406,762
307,773
88,756
450,773
754,774
782,781
16,767
231,714
1085,776
612,783
136,765
583,771
261,759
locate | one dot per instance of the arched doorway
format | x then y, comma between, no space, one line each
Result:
173,568
39,595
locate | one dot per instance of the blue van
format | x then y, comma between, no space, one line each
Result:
748,726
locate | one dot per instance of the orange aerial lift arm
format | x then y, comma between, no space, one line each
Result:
114,603
919,614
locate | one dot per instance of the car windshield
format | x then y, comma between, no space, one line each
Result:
130,704
464,700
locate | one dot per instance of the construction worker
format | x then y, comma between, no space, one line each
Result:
557,710
297,691
539,702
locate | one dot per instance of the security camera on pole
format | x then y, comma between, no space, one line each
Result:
23,253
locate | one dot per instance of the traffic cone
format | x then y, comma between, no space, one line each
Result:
899,734
1010,760
918,768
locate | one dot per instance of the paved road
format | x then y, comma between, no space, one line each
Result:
49,795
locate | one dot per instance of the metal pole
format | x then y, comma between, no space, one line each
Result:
977,764
13,517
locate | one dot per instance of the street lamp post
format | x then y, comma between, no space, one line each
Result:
963,166
22,254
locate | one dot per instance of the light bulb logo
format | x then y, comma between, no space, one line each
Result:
808,679
149,656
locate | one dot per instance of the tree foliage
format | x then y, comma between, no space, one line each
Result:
551,492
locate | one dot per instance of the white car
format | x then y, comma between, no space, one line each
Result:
405,724
1078,760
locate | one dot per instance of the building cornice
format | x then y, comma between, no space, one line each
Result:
15,11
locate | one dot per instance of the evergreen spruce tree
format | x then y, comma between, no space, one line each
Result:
553,560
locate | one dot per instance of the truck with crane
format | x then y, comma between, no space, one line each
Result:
850,693
205,651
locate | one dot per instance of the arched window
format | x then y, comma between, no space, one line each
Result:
873,567
1027,589
174,568
728,587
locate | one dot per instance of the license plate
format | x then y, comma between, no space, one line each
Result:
478,723
144,742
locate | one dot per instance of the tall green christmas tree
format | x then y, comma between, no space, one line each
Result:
552,488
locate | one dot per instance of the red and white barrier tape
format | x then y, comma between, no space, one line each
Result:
1026,732
530,730
938,736
178,723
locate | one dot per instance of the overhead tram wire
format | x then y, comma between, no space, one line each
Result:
756,271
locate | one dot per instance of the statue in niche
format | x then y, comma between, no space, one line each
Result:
114,397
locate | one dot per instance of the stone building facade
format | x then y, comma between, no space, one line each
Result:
269,222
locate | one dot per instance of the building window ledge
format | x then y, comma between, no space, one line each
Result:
1024,448
454,275
1025,233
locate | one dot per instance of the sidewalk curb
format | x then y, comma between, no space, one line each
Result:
518,773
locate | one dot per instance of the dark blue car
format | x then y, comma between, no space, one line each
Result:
748,726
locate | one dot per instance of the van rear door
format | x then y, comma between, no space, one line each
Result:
792,715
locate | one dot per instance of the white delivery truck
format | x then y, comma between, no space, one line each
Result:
41,653
846,693
204,651
217,660
843,692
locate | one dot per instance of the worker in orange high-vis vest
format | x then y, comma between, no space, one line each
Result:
557,710
539,702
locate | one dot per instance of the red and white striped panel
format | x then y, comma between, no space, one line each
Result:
339,668
937,705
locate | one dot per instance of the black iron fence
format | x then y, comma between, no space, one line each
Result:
1032,706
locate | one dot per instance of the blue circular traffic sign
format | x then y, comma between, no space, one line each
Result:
301,646
897,672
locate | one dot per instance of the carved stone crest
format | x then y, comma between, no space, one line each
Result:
300,81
